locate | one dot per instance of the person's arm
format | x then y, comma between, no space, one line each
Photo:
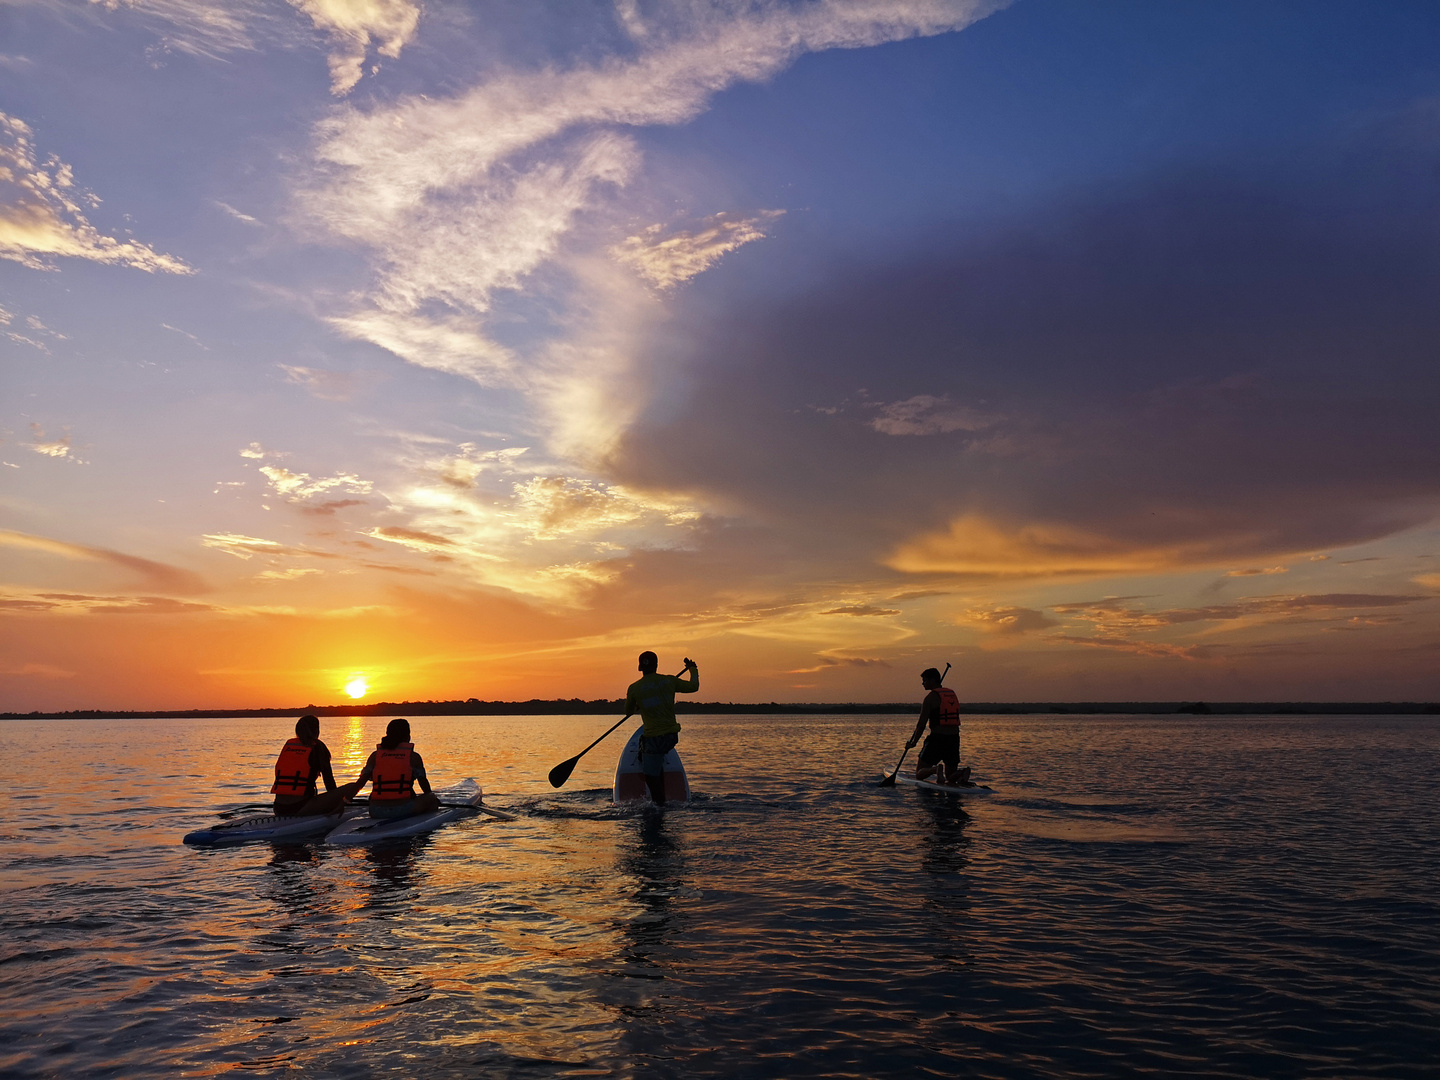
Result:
927,710
366,773
682,687
324,764
417,770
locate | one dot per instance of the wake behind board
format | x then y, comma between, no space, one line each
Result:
958,789
256,827
630,775
367,830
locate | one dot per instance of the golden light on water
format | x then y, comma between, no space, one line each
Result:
357,687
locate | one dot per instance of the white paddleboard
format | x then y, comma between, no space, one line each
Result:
959,789
364,829
255,827
630,775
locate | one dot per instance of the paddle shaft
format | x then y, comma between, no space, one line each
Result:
560,773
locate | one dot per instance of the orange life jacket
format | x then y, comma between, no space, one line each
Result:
292,770
392,780
948,714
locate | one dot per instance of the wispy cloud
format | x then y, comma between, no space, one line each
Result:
42,216
1010,620
302,487
462,198
665,259
925,414
327,385
55,448
355,27
153,575
245,547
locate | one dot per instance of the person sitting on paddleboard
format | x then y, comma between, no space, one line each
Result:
940,756
304,760
394,769
653,697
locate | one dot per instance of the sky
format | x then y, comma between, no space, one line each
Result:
442,350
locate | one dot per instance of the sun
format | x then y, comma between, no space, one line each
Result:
357,687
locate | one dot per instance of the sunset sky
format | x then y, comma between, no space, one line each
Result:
468,349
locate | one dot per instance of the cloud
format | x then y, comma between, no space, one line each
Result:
667,259
354,26
925,414
55,448
974,546
465,197
41,213
245,547
236,214
1427,581
34,670
1010,620
1116,614
835,664
1159,649
300,487
1257,572
153,575
209,28
326,385
286,575
861,610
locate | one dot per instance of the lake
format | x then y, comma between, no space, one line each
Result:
1141,896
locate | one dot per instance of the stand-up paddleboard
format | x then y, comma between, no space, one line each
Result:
367,830
269,827
959,789
630,775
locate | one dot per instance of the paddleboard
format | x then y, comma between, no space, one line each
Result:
959,789
630,775
254,827
367,830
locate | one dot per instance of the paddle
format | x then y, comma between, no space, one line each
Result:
560,773
889,781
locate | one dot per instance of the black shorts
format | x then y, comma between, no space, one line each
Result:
942,746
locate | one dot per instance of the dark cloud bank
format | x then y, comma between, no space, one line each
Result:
1237,361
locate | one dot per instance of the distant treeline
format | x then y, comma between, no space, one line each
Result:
600,706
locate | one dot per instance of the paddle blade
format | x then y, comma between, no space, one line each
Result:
889,781
560,773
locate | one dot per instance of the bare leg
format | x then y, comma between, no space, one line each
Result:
656,784
423,804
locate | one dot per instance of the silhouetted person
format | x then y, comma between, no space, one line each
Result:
940,756
393,770
304,760
653,697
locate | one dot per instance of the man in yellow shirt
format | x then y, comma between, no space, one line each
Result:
653,697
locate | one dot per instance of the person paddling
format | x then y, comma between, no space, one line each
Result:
653,697
303,760
940,756
393,770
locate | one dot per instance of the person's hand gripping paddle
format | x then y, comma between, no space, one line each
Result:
560,773
889,781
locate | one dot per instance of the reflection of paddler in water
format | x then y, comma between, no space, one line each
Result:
393,770
303,761
940,756
653,697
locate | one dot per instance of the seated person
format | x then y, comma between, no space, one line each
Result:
394,769
302,761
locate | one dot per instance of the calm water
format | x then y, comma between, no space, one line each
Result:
1142,896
